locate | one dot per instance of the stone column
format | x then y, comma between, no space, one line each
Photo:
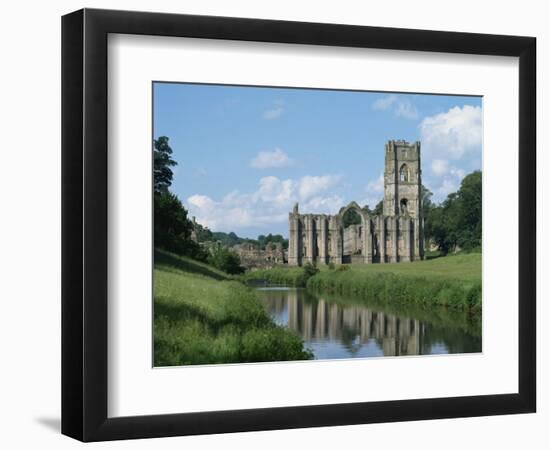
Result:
294,247
395,238
323,240
367,241
382,238
406,231
335,241
417,255
310,224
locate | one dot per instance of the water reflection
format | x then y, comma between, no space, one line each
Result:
335,329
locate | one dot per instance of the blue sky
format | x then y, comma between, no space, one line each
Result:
247,154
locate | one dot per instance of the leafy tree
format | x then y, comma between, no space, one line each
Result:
162,163
351,217
264,241
426,196
457,221
379,208
172,228
367,210
224,259
469,211
227,239
310,270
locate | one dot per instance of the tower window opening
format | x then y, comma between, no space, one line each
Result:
404,173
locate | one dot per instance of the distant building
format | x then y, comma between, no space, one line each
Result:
253,256
395,236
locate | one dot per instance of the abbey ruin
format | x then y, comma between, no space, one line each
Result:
396,235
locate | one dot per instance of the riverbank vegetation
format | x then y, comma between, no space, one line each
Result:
203,316
451,281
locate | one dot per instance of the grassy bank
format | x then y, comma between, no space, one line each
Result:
451,281
202,316
284,275
440,317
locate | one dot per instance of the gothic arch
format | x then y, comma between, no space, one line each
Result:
404,173
365,223
354,206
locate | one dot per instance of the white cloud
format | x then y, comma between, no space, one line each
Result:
452,134
269,204
268,160
447,181
440,167
374,192
310,185
401,107
451,142
276,111
447,186
384,103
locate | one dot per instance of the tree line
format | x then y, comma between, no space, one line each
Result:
456,222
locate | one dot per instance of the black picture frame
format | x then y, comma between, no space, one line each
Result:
84,224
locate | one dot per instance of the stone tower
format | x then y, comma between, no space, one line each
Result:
402,180
396,235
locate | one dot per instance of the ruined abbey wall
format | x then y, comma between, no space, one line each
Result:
395,236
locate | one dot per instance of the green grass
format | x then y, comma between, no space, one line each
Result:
202,316
443,318
466,267
284,275
451,281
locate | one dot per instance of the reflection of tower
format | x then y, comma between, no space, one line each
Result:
307,320
293,320
320,325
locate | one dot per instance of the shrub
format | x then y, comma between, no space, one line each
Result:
310,270
224,259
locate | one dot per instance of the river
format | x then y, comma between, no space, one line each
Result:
335,328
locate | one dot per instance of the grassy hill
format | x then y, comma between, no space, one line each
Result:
202,316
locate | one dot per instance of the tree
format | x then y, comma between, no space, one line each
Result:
379,208
426,196
162,163
224,259
351,217
457,221
469,211
367,210
264,240
172,228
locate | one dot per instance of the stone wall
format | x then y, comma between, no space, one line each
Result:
397,235
252,256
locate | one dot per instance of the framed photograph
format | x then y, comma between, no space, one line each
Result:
272,224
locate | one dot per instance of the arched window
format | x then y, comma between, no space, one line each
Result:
404,173
404,206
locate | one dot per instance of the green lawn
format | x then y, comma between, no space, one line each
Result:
202,316
452,281
466,267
